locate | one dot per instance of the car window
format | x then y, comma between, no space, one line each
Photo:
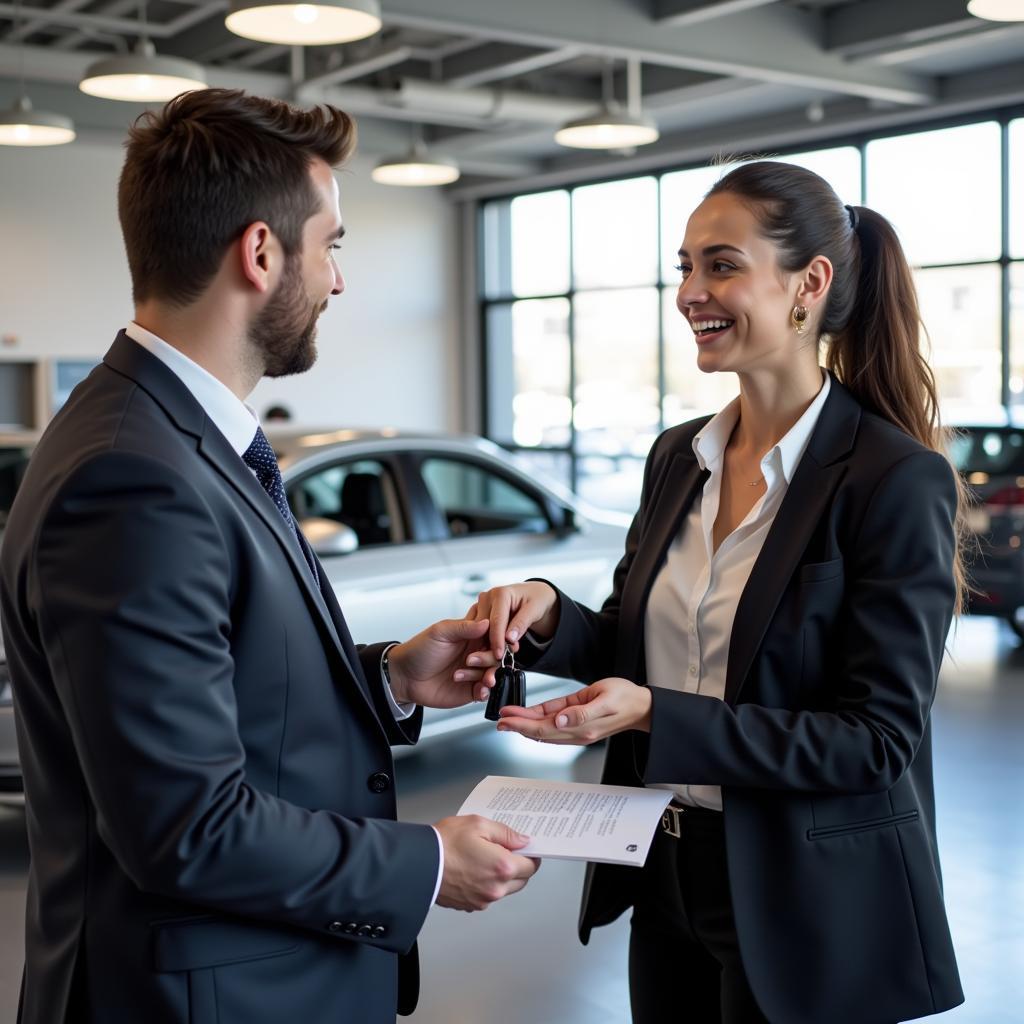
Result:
991,450
359,493
474,499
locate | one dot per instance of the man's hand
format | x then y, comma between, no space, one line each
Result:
429,669
602,709
479,867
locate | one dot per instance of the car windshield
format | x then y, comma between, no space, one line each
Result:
995,451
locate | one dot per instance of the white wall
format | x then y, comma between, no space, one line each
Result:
388,346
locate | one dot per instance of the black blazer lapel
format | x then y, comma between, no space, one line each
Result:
805,502
678,487
132,360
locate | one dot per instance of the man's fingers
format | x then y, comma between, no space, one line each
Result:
502,834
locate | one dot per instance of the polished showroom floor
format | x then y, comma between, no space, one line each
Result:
520,963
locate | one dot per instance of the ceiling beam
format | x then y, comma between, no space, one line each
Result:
876,26
693,12
493,62
124,26
778,44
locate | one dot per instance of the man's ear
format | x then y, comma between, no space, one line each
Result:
814,281
259,252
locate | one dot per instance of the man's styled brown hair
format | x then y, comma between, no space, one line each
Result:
205,167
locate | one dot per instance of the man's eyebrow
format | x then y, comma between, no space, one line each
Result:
712,250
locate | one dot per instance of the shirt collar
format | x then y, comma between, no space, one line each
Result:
231,416
710,441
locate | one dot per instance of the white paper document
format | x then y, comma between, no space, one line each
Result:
573,820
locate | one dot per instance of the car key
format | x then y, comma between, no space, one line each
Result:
509,686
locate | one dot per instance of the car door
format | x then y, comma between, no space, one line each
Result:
395,582
497,527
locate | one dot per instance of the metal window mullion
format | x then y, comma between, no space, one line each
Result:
573,462
1004,325
661,312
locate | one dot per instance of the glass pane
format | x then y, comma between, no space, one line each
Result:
1017,188
475,500
681,193
960,307
941,190
359,494
689,392
1017,333
616,371
611,482
528,372
615,233
540,244
840,167
550,468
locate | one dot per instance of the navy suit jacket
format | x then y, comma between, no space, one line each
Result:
822,745
206,754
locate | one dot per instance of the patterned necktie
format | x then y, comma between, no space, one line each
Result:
260,458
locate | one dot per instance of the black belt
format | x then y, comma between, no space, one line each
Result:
674,814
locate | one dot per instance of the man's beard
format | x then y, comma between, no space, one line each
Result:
284,332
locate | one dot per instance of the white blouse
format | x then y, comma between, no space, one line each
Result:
692,604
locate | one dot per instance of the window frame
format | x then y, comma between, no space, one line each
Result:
1003,116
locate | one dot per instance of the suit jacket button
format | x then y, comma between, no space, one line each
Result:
379,782
379,931
364,930
350,928
335,926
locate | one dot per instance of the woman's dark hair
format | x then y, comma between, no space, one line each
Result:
871,320
207,165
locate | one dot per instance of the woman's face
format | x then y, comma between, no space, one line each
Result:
734,296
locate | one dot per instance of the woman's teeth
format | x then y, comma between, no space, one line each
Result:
703,326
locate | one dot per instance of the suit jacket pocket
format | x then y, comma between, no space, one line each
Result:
196,943
814,572
832,831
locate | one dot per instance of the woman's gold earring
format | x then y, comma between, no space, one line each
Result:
799,318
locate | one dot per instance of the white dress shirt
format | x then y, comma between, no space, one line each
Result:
238,422
692,604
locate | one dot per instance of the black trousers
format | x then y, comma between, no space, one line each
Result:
684,958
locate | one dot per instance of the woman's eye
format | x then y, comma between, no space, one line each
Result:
720,266
682,268
334,247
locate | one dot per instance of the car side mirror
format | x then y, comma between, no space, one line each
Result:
328,538
568,525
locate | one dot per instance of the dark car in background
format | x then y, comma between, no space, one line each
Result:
991,460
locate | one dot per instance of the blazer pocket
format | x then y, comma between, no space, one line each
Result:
814,572
831,831
192,945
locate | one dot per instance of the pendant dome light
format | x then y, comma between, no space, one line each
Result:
416,168
997,10
316,23
612,127
21,125
142,77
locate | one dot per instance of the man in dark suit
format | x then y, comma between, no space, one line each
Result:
206,754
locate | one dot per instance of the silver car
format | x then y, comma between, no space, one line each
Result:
410,528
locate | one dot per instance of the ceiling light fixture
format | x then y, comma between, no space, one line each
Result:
416,168
612,127
997,10
142,77
21,125
304,24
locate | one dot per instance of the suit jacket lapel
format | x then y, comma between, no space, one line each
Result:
133,361
679,486
802,508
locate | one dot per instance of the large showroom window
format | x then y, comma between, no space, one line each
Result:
587,359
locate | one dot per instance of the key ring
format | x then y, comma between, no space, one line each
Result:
508,654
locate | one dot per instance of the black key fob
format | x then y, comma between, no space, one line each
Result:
509,687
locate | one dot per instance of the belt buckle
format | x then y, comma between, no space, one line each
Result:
670,820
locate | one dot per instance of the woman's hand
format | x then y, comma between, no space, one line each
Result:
511,611
602,709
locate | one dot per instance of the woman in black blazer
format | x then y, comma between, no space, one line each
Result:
771,645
